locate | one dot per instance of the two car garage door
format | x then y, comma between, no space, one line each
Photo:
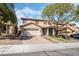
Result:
32,31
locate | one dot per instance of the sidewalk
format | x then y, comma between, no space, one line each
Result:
10,49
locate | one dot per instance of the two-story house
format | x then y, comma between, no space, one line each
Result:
37,27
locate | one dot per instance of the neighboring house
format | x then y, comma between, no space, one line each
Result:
8,29
37,27
67,28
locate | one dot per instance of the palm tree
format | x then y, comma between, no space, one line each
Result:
7,14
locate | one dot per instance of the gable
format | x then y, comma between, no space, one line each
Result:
31,26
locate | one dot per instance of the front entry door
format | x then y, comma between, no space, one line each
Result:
50,31
44,31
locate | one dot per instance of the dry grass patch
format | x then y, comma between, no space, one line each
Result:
58,38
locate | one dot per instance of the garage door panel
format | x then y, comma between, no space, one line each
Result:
33,32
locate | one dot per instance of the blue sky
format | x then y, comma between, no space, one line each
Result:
29,10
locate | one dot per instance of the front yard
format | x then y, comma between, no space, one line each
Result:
58,38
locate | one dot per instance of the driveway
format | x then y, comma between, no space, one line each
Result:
37,40
33,40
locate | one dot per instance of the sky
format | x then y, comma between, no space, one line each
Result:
29,10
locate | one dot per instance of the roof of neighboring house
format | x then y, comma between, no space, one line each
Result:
71,29
68,24
67,28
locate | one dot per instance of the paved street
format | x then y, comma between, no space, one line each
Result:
62,52
41,49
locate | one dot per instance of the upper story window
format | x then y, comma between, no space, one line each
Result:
36,22
49,23
45,22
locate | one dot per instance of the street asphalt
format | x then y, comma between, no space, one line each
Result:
55,49
62,52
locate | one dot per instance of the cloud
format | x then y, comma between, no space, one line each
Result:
27,12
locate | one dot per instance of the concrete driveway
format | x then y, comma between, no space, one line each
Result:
37,40
33,40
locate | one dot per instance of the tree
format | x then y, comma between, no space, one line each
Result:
7,14
61,13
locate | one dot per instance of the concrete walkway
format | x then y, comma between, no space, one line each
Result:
13,49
